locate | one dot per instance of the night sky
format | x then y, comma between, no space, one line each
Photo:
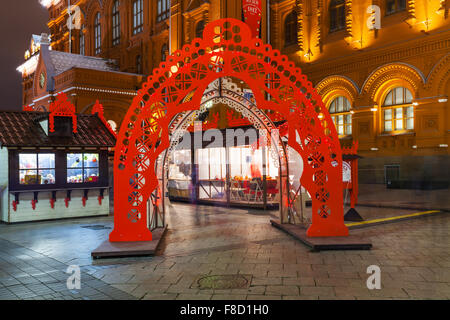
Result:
19,19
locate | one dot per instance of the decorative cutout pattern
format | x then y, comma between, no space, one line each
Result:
98,109
62,107
178,86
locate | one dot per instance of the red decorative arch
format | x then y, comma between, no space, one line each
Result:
226,50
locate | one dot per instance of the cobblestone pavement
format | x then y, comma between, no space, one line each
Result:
378,195
28,275
414,257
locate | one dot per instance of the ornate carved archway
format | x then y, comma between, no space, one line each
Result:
226,50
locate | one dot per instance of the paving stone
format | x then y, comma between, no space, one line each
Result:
199,296
412,256
282,290
267,281
263,297
300,281
228,297
316,291
162,296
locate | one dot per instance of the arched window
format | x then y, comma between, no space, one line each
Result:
164,51
163,10
82,41
340,113
97,34
138,16
199,28
393,6
398,113
115,23
290,29
337,15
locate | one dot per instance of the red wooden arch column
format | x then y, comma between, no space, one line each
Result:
227,49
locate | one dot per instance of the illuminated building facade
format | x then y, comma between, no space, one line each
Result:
381,66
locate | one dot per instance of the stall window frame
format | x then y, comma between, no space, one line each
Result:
60,170
83,167
37,168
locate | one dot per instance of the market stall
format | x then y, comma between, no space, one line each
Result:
54,164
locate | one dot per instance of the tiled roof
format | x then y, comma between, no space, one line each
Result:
63,61
22,129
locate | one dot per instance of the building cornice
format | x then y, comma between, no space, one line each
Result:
379,56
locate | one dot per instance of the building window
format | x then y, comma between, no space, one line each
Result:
82,167
337,15
164,51
200,26
115,23
97,34
163,10
290,29
340,113
398,113
393,6
82,42
36,168
138,16
138,64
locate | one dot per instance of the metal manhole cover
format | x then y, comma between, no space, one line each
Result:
231,281
96,227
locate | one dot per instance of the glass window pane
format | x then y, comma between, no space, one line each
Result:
74,160
399,95
333,107
398,113
74,175
341,119
27,161
348,129
91,175
46,160
390,6
247,159
410,112
203,163
47,176
340,130
408,96
90,160
388,114
388,100
346,105
28,177
388,125
399,124
340,105
235,162
180,165
215,160
348,118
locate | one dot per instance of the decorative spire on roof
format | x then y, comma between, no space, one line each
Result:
62,107
98,109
